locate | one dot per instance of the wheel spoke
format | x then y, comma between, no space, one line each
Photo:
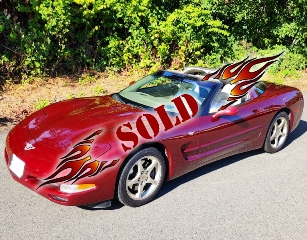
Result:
275,142
282,123
152,181
274,132
138,195
140,167
152,166
273,136
133,181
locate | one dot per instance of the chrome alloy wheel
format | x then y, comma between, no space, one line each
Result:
143,178
279,132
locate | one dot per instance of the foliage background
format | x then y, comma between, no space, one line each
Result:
48,37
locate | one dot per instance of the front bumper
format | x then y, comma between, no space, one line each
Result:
51,191
39,165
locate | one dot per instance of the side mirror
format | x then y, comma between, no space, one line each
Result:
131,83
229,111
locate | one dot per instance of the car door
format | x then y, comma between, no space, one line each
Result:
231,134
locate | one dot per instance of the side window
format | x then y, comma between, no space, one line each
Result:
221,97
260,88
254,92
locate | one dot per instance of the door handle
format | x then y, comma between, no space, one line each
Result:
191,133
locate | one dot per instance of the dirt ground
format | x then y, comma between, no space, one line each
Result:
20,100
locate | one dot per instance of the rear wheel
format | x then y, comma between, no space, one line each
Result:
277,133
141,178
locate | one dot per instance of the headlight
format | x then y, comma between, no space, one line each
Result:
17,166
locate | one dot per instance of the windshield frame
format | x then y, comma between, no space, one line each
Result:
212,85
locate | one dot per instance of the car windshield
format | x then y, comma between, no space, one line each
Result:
162,87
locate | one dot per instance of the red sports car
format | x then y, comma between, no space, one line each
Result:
91,150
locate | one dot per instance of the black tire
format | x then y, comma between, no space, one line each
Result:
277,134
141,178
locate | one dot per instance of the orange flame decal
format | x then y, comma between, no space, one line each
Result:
240,76
80,166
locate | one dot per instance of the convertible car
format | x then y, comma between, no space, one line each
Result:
89,151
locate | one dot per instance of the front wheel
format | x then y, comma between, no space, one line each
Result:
141,178
277,133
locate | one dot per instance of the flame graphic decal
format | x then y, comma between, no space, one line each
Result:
240,76
80,166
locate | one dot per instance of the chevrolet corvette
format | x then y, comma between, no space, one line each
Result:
89,151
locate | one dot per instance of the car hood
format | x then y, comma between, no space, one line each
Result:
64,124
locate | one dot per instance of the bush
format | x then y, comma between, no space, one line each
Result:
288,64
63,36
40,37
